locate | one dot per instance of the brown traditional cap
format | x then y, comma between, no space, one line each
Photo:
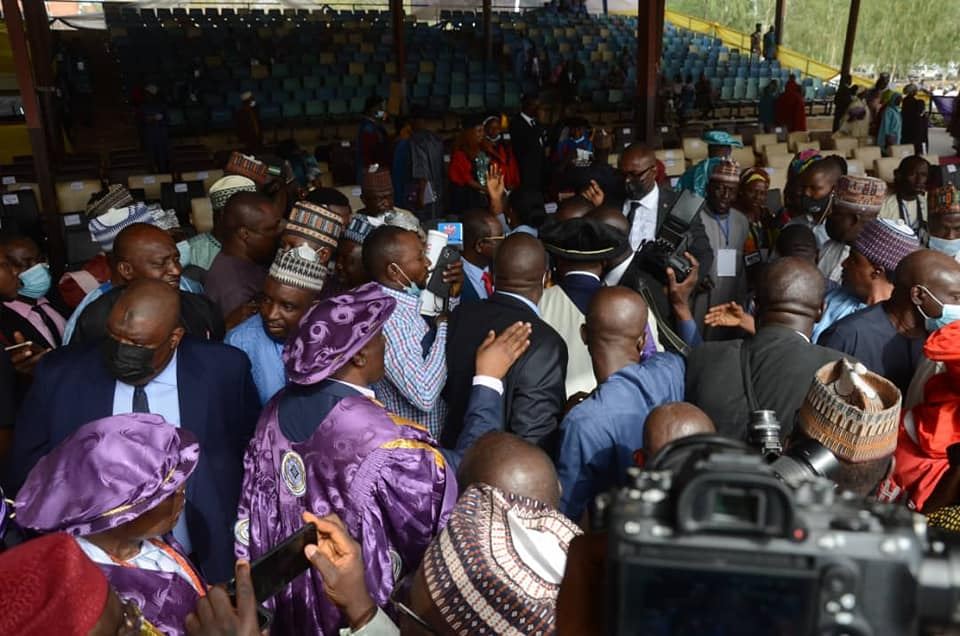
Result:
727,171
851,411
860,194
376,183
315,223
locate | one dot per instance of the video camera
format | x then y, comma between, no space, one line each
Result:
672,240
713,539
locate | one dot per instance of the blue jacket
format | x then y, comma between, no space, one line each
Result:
218,404
601,433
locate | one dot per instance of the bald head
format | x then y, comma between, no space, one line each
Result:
573,208
798,240
925,267
511,464
520,265
146,303
615,330
635,152
616,314
790,286
245,209
612,216
672,421
143,251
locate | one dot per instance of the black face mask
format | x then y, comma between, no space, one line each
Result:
635,189
128,363
814,207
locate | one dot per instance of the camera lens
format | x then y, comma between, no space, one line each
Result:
763,430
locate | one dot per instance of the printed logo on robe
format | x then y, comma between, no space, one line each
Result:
293,473
241,531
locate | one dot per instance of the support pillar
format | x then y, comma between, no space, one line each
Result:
37,134
849,41
649,36
41,46
399,55
488,34
778,20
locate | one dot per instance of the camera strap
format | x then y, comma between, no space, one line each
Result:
746,376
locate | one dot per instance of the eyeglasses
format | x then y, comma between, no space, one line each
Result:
499,237
402,590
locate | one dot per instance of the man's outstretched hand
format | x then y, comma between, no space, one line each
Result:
497,354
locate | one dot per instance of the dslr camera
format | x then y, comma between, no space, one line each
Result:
711,540
672,240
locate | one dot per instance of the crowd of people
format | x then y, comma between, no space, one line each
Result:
186,401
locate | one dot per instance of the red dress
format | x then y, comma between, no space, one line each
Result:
790,110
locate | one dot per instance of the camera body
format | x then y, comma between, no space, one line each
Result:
724,546
672,240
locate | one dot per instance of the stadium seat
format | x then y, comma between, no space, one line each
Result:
868,155
771,150
149,183
855,167
778,178
777,160
933,160
694,149
209,177
673,162
796,137
745,157
806,145
72,196
761,141
201,214
902,150
884,167
845,145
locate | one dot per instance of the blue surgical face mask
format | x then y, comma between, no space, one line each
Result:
184,248
412,289
948,313
36,281
950,247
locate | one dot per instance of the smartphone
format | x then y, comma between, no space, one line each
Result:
18,346
283,563
435,284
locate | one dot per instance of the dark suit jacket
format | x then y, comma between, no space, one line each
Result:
527,147
218,403
782,365
699,243
199,315
12,322
534,393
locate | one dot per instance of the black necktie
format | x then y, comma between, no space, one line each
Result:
50,325
140,404
633,211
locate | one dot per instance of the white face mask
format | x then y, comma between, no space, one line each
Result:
379,114
950,247
253,103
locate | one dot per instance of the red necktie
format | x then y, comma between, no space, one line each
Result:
487,283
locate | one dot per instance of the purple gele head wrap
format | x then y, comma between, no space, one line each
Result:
333,331
106,473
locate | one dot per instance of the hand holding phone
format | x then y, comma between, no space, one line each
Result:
339,560
217,614
283,563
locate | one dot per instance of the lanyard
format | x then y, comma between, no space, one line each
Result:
905,214
724,225
173,554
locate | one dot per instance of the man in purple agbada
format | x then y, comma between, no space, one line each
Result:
117,486
325,445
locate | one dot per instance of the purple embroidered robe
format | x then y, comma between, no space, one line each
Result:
381,474
164,598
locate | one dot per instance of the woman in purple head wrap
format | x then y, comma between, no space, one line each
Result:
117,486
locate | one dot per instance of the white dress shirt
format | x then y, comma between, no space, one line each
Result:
612,279
163,398
363,390
644,226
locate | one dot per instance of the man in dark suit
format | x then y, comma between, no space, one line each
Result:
146,364
533,393
529,141
773,369
646,206
482,233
